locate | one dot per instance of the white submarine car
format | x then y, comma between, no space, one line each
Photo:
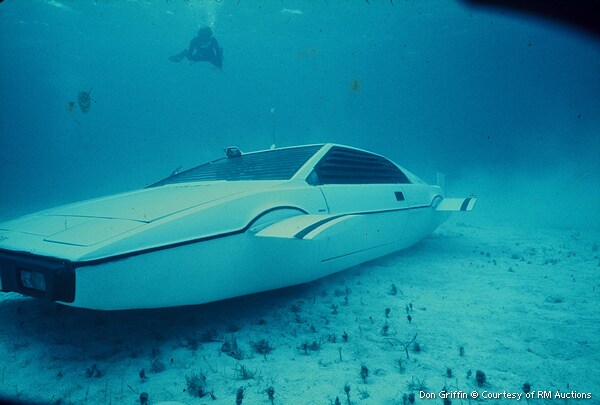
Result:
242,224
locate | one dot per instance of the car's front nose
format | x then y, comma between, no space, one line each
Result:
37,276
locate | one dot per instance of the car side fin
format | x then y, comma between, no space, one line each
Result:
457,204
302,226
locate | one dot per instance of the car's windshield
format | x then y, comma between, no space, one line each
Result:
277,164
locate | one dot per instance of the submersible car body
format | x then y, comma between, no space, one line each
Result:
242,224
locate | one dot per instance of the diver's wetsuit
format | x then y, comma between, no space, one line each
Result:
202,49
210,51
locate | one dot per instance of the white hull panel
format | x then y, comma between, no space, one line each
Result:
243,264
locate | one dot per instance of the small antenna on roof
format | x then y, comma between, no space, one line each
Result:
272,127
174,172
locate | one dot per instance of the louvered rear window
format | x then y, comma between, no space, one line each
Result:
277,164
349,166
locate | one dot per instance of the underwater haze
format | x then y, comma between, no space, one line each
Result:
505,104
503,299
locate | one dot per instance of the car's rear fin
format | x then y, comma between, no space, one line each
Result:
457,204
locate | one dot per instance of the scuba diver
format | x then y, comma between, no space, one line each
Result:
203,48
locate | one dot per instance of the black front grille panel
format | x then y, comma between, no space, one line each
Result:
54,278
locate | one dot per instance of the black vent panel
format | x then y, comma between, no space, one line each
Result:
349,166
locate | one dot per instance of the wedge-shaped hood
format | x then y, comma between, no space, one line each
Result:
150,204
93,221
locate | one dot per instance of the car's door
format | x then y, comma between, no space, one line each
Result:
367,191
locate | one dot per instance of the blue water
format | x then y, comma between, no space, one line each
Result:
435,86
507,105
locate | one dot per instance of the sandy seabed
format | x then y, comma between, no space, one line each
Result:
483,308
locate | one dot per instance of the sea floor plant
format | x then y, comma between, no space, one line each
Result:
417,384
347,391
244,373
271,394
262,346
230,347
480,378
364,373
239,396
196,384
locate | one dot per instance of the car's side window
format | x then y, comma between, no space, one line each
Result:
349,166
313,179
